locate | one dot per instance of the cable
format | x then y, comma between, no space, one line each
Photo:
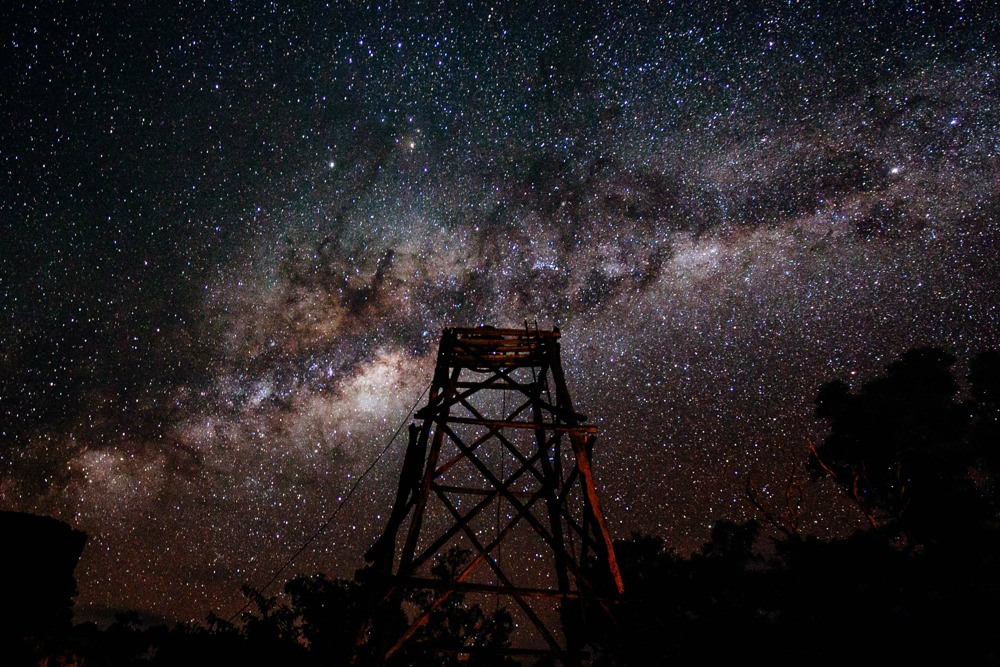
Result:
330,519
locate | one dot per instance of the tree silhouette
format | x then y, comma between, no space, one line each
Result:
326,611
984,381
37,560
457,633
898,445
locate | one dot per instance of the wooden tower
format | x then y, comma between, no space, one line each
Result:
497,491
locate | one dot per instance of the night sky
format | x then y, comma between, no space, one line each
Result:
231,234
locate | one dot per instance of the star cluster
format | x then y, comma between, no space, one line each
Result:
232,236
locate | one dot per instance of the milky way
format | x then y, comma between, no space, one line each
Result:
232,237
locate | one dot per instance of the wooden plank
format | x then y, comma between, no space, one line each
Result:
494,589
468,490
497,331
500,423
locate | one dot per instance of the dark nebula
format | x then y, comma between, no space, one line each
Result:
232,235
